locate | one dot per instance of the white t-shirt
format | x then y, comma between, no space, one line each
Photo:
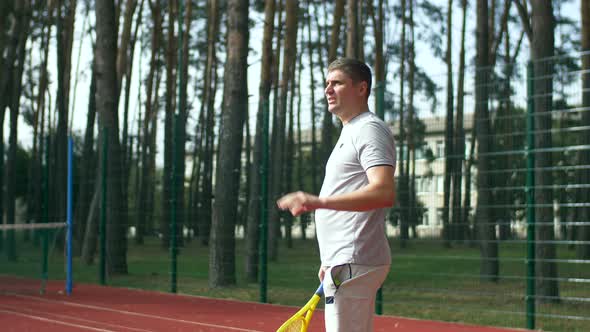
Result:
348,236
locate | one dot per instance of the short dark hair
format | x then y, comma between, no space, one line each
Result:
357,70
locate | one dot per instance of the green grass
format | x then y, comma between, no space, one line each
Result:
425,281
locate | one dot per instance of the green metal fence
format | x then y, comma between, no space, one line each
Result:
523,264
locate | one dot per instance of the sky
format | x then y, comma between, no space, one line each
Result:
82,56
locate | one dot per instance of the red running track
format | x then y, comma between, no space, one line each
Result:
109,309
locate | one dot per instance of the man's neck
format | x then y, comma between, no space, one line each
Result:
346,118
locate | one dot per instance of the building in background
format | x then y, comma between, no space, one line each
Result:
430,171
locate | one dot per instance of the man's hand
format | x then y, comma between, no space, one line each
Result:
322,273
299,202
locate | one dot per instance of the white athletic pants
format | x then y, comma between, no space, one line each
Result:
350,296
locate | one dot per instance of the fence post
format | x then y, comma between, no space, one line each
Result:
530,198
45,217
103,209
380,95
264,204
69,217
173,251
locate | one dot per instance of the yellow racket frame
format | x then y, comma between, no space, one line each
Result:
304,314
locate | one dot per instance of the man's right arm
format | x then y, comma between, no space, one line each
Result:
378,193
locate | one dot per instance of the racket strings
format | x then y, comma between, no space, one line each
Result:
295,326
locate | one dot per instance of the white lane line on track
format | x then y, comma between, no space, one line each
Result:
88,306
40,313
16,313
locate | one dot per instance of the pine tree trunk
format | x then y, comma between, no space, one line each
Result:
411,160
403,185
222,252
499,216
22,31
542,47
274,229
181,126
459,141
152,226
87,166
106,107
252,235
246,178
278,143
65,32
352,34
314,143
361,21
304,219
290,154
123,58
379,71
170,106
504,128
8,51
38,139
125,69
449,150
205,217
5,10
146,183
486,235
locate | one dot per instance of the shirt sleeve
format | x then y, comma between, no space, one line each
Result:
375,145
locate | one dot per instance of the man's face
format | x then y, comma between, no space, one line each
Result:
342,94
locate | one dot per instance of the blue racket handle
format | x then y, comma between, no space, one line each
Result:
320,290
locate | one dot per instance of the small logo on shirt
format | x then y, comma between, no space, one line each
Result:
341,145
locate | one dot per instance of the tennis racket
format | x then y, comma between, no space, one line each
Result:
300,321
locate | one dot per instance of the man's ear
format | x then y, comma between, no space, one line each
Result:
363,87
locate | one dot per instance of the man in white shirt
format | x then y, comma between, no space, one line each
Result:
350,210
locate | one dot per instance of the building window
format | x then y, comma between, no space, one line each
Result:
419,153
405,156
439,216
424,184
425,219
440,183
440,149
